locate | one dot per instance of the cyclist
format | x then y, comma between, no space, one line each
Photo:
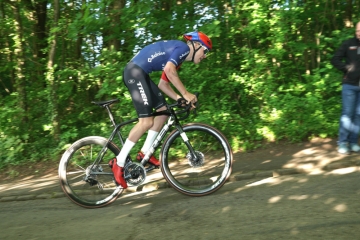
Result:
166,56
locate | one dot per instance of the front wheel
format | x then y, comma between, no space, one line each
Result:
87,182
201,175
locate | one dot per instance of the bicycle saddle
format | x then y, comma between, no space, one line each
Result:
105,103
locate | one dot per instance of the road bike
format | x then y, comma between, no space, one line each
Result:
195,159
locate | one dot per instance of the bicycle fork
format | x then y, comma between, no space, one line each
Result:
161,136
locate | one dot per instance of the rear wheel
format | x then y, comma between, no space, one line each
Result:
89,185
201,175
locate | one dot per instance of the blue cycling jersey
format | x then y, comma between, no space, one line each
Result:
155,56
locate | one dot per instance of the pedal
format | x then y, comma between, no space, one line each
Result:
151,167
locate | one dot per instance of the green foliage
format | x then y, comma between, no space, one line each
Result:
268,77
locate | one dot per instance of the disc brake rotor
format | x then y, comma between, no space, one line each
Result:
196,162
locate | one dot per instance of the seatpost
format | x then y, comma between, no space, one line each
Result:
114,124
110,115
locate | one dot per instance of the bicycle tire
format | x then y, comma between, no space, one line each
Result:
196,178
101,189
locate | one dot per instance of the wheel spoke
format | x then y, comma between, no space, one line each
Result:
85,183
203,175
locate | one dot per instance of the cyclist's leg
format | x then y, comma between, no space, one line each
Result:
144,99
154,130
159,102
150,138
159,105
159,120
140,128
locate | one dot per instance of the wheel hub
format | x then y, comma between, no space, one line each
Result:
92,178
196,162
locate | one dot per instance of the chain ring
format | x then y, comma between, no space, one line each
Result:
135,174
192,162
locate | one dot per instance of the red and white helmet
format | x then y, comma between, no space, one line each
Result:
199,37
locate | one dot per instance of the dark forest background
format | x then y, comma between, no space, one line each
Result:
269,77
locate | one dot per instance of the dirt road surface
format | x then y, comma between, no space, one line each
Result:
301,206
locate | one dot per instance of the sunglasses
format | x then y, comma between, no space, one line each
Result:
206,50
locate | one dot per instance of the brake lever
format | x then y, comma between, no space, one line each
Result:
182,102
196,104
196,108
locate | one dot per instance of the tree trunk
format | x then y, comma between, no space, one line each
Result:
20,79
51,81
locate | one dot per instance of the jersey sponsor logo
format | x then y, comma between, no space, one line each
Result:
155,55
184,55
352,47
142,93
131,81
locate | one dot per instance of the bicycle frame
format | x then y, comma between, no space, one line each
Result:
193,173
172,121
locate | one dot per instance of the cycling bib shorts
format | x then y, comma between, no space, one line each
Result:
145,94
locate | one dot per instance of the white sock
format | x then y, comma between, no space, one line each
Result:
151,136
121,158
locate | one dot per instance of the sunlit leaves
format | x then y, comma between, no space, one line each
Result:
267,78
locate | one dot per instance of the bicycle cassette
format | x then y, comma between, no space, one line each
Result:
90,177
134,173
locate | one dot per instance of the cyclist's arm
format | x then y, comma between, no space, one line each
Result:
171,73
168,90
